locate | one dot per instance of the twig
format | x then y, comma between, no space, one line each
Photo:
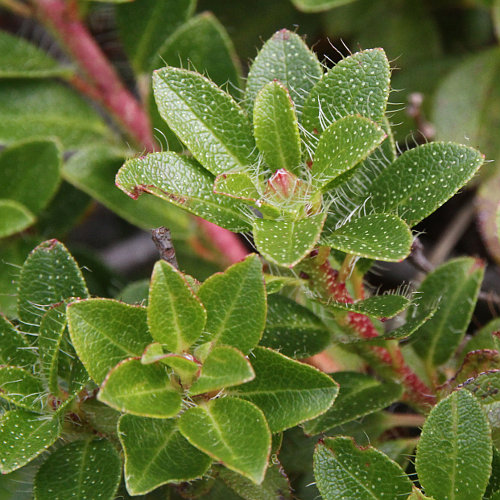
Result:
17,8
163,241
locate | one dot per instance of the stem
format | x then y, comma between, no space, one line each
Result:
17,8
405,419
63,19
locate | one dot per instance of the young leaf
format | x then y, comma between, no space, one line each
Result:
288,392
454,451
286,58
156,453
276,129
14,218
144,25
342,146
379,236
183,365
205,118
33,186
21,59
232,431
176,317
21,388
285,242
357,85
293,329
455,286
343,470
318,5
105,332
237,185
48,276
423,178
183,182
24,435
142,390
223,367
14,349
82,470
236,305
359,395
378,306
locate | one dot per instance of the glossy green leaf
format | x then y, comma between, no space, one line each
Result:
378,306
357,85
454,451
184,183
286,58
21,388
14,350
455,285
344,470
156,453
142,390
14,218
80,470
223,367
205,118
423,178
236,305
318,5
293,329
379,236
21,59
93,170
46,108
176,317
105,332
342,145
276,129
144,25
34,186
288,392
24,435
359,395
285,242
232,431
48,276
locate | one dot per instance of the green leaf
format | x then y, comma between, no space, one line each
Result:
232,431
105,332
454,451
357,85
378,306
223,367
455,285
176,317
493,487
144,25
288,392
46,108
359,395
49,276
286,58
33,186
276,129
318,5
485,387
142,390
285,242
156,453
205,118
183,365
80,470
379,236
21,59
237,185
24,435
236,305
14,218
93,170
423,178
344,470
344,144
21,388
14,349
293,329
183,182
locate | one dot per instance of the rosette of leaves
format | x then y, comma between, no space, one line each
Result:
306,158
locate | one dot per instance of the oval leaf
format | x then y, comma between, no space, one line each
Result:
21,388
14,349
14,218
